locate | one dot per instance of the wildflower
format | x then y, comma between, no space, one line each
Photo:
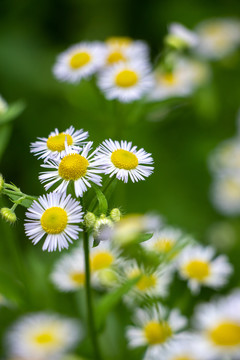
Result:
69,272
198,266
218,37
124,160
79,61
76,167
225,193
184,349
226,157
3,105
102,228
126,81
180,37
54,145
218,325
155,328
43,336
8,215
55,216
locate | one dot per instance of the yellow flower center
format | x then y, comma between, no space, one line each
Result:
232,188
124,159
115,56
169,79
73,167
119,41
183,358
101,260
157,332
163,245
78,278
197,269
226,334
56,142
44,338
80,59
146,282
54,220
126,78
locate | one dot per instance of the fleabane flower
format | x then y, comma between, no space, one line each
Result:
56,216
155,328
226,156
43,336
69,271
200,267
124,160
126,81
218,37
218,325
181,36
54,145
79,61
77,167
225,193
184,349
123,49
152,282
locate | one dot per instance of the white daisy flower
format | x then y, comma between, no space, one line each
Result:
185,349
226,157
218,325
55,216
77,167
124,160
155,328
126,81
152,282
69,272
218,37
3,105
54,145
164,241
198,266
225,193
187,37
42,336
120,49
79,61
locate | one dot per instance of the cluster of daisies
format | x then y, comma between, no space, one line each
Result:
71,165
124,71
224,163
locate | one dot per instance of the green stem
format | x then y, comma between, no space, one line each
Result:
91,322
19,193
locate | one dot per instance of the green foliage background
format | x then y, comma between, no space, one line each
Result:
32,33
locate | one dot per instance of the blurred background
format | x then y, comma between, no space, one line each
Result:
32,34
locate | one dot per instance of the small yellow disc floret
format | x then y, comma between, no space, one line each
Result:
57,142
78,277
126,78
79,59
226,334
54,220
124,159
115,56
157,332
44,338
101,260
197,269
73,167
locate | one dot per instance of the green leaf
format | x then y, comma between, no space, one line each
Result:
102,201
13,111
109,301
26,202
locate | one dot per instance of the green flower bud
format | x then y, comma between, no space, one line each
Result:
175,42
115,214
1,183
8,215
89,219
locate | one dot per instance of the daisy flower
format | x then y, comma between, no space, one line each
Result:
155,328
152,282
218,325
55,216
198,266
103,228
225,193
126,81
120,49
74,166
79,62
217,37
54,145
164,241
226,157
69,272
186,37
185,349
124,160
42,336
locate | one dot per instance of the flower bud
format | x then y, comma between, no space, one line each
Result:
89,219
1,183
8,215
115,214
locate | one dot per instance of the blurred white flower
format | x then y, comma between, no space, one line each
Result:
3,105
182,36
